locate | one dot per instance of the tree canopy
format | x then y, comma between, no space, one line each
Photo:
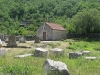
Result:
65,12
87,21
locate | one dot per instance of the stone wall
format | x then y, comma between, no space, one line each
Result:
59,34
89,35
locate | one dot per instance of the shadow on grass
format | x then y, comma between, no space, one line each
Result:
16,47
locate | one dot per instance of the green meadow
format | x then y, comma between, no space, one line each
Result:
9,65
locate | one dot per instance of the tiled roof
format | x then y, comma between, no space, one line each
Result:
55,26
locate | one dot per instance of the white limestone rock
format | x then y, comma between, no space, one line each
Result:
74,55
52,67
87,53
40,52
56,52
2,51
24,55
91,58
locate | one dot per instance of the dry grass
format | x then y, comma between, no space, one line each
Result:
76,66
29,46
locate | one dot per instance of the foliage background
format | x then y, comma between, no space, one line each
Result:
71,14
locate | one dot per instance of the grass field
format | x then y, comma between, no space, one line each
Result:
33,65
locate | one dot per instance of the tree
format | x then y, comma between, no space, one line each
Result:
22,31
11,30
87,21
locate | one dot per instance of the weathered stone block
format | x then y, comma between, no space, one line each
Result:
56,52
2,51
22,39
39,52
37,40
74,55
87,53
12,41
52,67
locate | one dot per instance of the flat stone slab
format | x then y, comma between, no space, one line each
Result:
74,55
87,53
52,67
2,51
56,52
24,55
91,58
40,52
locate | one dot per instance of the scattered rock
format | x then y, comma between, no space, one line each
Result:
39,52
37,40
56,52
74,55
2,51
87,53
24,55
90,58
22,39
52,67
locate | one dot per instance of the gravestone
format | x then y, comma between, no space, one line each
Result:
39,52
22,39
87,53
74,55
56,52
2,51
12,41
52,67
37,40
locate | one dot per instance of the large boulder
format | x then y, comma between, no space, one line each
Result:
56,52
52,67
40,52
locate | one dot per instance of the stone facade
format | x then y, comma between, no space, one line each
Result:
59,35
45,32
